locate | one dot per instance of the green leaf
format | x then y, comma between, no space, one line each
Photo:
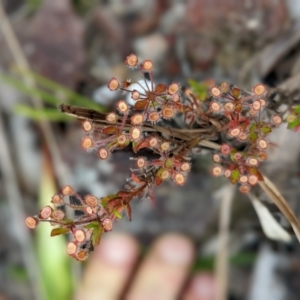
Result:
297,109
117,214
199,89
253,127
168,163
235,175
55,88
59,231
51,114
96,235
253,137
266,129
294,124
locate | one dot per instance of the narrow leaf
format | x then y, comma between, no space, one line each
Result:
234,177
270,226
96,235
139,105
59,231
109,130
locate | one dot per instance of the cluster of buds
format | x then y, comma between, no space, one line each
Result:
244,112
96,217
227,113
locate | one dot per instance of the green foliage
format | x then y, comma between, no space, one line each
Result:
200,89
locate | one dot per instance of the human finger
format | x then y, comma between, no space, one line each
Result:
164,270
109,268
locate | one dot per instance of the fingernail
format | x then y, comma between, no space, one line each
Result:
117,249
175,249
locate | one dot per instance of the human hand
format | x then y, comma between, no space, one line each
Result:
162,274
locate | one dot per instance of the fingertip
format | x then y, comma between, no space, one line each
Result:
201,287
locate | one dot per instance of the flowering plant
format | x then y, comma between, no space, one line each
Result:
239,120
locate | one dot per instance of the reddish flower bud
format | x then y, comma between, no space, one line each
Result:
262,156
234,132
244,189
173,88
179,179
277,119
31,222
225,149
165,146
79,235
87,125
102,153
153,117
252,180
224,87
57,199
185,167
165,174
215,92
91,200
58,215
252,161
87,143
67,190
262,143
215,106
216,158
259,89
107,224
175,97
229,106
243,179
237,155
227,173
141,162
71,248
256,105
113,84
82,255
217,171
122,106
135,133
111,117
137,119
147,65
122,139
45,212
135,95
167,113
153,142
131,60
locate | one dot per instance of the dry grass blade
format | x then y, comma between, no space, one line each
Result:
270,189
99,118
271,228
223,240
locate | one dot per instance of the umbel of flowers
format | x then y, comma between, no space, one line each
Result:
162,151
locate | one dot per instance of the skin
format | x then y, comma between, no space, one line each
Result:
162,274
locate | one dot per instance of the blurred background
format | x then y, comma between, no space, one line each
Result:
65,51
